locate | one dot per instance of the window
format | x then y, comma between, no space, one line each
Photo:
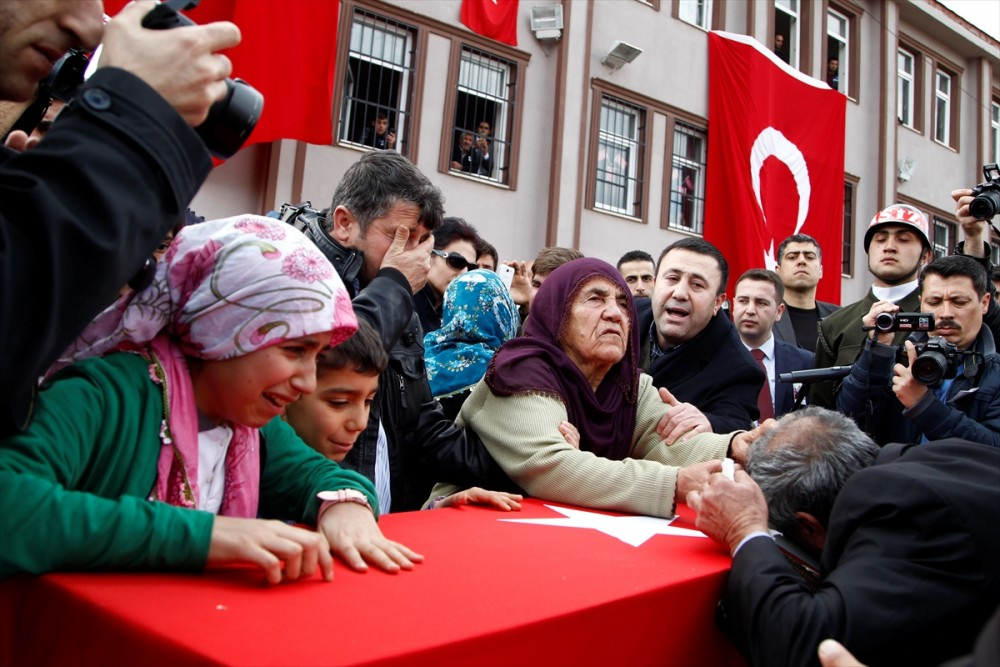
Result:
905,87
944,237
847,251
620,156
483,109
786,23
942,107
994,148
378,83
696,12
838,57
687,179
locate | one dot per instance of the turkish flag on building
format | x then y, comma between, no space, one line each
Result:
496,19
775,159
288,53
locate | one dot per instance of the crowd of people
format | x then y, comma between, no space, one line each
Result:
258,375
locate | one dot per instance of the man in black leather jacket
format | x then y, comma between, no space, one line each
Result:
377,234
73,229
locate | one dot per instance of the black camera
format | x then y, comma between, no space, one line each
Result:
888,322
231,119
987,201
937,360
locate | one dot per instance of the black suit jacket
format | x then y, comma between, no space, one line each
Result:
909,571
787,358
713,371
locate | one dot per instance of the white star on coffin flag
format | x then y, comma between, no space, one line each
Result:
633,530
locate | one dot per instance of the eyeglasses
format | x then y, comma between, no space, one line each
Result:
455,260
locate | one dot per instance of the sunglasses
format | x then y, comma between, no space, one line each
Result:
455,261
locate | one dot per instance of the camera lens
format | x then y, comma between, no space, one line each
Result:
930,367
986,205
885,322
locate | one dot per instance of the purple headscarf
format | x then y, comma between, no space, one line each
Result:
536,363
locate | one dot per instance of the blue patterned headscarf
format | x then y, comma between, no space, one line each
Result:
478,316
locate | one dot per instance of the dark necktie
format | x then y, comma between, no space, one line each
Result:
764,404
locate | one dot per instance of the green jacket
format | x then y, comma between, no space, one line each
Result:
73,487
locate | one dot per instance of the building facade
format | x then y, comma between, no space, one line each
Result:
584,151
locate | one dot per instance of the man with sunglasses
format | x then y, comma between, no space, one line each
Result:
455,243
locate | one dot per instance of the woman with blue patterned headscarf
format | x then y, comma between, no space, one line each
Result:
478,316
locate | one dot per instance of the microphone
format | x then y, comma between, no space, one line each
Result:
816,375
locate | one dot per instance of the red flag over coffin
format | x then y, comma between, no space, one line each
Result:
775,159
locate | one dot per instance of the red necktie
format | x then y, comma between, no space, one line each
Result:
764,404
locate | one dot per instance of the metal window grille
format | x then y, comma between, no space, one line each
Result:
687,179
378,80
618,180
484,108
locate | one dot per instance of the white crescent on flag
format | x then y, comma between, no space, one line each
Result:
772,143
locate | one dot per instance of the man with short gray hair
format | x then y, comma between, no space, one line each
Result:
905,536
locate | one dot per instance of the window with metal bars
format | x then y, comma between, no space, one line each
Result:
484,106
944,237
620,146
378,83
687,179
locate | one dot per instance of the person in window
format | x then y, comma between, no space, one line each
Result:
472,154
833,73
779,47
379,134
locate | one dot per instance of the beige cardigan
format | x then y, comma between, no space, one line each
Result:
522,434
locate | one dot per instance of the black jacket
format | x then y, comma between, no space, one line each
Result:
713,371
908,572
424,446
79,214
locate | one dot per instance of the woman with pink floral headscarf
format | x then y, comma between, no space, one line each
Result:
163,452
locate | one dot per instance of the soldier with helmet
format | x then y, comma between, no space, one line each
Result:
898,245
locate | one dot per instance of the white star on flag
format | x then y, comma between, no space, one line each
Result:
633,530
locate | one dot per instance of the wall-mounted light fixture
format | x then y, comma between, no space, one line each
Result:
547,23
906,167
621,53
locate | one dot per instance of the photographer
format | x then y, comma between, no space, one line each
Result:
964,405
81,211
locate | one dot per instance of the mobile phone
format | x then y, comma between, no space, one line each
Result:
506,274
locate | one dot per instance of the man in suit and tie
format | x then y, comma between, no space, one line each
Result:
757,305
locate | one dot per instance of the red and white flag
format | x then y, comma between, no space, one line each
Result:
775,159
496,19
288,53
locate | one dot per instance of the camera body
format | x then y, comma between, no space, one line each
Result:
937,360
889,322
231,119
987,194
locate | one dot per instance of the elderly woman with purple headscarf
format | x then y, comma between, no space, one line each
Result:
162,444
578,363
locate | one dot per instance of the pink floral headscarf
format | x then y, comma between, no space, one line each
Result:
224,289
